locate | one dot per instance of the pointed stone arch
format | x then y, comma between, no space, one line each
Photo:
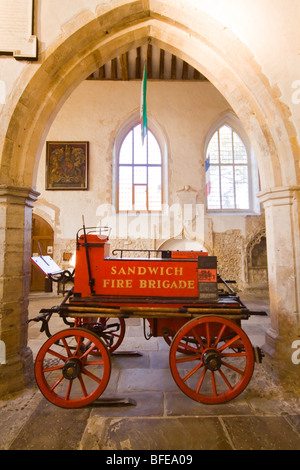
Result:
256,262
86,43
192,36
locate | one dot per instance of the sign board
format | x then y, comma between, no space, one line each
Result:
16,29
46,265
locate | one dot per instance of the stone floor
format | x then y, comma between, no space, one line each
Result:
154,414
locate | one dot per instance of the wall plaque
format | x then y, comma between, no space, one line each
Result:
16,29
67,165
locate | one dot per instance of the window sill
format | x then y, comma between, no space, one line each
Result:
231,213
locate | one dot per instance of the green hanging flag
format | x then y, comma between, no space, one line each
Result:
143,106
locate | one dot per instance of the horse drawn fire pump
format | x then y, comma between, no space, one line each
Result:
180,297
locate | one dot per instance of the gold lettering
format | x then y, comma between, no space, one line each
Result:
178,271
117,283
141,270
151,284
143,284
191,284
153,270
131,270
169,271
114,270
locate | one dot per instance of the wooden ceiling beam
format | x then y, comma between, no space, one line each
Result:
113,73
102,72
124,66
184,71
162,64
149,61
138,63
173,67
130,67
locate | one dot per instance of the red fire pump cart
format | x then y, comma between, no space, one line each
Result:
181,298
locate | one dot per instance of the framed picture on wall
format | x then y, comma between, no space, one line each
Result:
67,165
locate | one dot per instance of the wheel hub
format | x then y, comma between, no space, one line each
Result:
72,369
211,359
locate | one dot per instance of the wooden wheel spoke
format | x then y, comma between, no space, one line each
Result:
213,381
68,393
225,379
188,358
91,376
219,336
85,393
79,341
207,334
88,351
235,369
51,369
57,383
115,334
200,382
188,347
56,354
238,354
67,347
193,371
228,343
94,363
197,337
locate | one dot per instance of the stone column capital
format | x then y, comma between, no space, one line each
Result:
18,195
281,195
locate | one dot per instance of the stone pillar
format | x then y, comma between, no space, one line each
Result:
16,366
282,210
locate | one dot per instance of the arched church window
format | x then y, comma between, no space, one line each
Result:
228,175
140,172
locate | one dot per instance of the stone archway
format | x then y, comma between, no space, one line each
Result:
227,63
256,262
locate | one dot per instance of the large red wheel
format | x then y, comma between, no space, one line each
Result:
220,362
66,370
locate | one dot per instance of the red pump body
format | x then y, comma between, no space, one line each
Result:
191,276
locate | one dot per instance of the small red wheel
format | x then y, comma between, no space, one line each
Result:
220,362
66,370
112,332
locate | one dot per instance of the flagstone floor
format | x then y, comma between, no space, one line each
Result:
149,412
